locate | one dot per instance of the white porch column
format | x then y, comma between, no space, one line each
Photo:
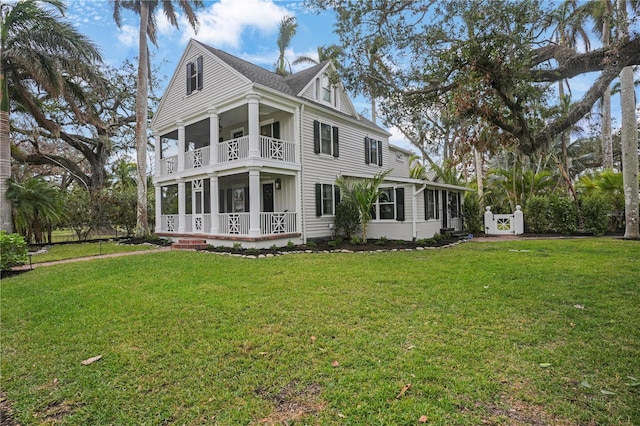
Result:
253,101
214,135
157,152
215,208
181,142
158,207
182,208
254,202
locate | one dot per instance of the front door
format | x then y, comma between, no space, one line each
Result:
267,198
198,204
445,209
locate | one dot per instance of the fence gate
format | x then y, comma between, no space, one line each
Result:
504,224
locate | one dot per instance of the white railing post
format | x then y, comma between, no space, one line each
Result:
489,225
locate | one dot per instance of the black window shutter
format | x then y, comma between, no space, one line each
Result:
425,196
366,150
373,211
336,196
336,148
379,153
400,204
276,130
246,198
229,200
318,199
189,88
221,201
316,137
199,77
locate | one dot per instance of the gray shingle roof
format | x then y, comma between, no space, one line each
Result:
291,85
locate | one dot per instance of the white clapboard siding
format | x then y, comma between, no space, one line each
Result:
219,82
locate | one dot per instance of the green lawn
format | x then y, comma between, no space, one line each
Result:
72,251
502,333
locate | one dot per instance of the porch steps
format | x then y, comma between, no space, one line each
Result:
190,244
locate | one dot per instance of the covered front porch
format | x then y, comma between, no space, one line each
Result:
254,208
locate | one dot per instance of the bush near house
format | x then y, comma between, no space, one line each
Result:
13,250
596,212
472,213
536,215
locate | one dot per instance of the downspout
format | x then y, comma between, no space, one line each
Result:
301,184
414,210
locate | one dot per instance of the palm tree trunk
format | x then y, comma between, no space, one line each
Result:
142,95
629,139
607,140
477,155
6,223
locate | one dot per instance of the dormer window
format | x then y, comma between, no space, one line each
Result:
326,89
194,75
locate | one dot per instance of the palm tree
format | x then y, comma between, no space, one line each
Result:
146,9
36,206
325,53
363,193
629,136
288,26
37,48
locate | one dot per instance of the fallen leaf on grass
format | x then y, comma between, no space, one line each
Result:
585,385
342,416
404,389
422,419
606,392
91,360
578,306
313,338
335,364
545,364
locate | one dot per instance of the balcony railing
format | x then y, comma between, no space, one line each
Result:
234,149
197,158
169,165
231,223
276,149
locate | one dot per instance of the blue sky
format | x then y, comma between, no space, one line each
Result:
245,28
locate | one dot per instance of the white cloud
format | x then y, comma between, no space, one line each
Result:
223,23
128,35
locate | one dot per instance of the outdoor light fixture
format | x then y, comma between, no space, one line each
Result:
278,183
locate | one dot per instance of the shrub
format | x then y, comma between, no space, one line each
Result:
564,215
13,250
537,216
347,219
596,213
472,214
355,240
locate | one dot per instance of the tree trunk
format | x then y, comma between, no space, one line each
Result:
6,222
477,155
142,96
629,139
607,140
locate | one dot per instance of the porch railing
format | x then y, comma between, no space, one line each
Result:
277,223
276,149
169,165
234,223
233,149
197,158
169,223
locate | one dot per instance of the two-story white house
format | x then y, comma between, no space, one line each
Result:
246,155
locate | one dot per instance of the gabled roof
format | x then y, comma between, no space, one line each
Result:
291,85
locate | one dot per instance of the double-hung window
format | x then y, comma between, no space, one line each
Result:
372,151
327,197
194,75
431,204
325,139
389,205
454,204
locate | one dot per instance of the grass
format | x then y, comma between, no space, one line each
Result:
521,332
72,251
